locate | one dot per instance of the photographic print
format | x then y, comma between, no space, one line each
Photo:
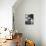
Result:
29,19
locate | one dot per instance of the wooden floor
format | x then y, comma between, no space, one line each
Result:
9,43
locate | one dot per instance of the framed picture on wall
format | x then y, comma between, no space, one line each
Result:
29,19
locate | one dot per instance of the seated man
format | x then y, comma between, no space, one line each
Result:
18,39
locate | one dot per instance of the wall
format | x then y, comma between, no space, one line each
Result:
6,13
29,31
43,22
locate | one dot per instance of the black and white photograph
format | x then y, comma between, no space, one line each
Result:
29,19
